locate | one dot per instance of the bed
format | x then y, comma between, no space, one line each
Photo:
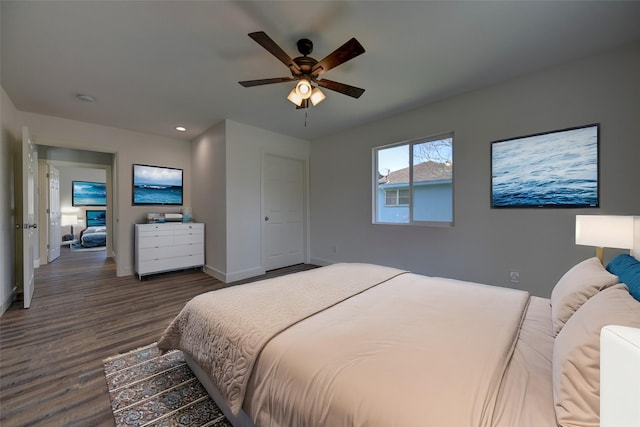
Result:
95,234
365,345
92,237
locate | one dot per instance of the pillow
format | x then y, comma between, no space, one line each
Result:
580,283
99,229
576,355
627,268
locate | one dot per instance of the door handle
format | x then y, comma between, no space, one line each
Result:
33,225
266,218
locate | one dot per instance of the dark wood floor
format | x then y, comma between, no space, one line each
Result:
51,354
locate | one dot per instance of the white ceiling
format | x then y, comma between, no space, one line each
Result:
153,65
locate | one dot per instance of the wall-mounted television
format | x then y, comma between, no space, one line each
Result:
156,185
557,169
96,218
86,193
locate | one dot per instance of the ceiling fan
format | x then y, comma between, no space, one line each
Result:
307,70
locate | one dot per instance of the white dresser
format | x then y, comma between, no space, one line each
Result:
168,246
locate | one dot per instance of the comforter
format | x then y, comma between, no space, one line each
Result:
355,344
92,237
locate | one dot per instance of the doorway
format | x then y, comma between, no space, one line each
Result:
74,165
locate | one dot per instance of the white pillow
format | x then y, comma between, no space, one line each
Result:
576,355
580,283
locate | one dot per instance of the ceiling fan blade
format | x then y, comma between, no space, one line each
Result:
266,42
347,51
348,90
250,83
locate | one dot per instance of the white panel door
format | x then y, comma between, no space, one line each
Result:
28,219
55,232
283,212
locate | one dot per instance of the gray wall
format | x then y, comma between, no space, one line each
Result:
485,244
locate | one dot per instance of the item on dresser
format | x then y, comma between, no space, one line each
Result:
167,247
154,218
186,214
173,217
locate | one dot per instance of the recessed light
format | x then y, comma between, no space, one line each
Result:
181,128
85,98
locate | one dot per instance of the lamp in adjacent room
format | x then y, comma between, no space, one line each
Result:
604,231
69,219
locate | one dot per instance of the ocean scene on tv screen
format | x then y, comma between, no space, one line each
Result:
89,193
156,185
558,169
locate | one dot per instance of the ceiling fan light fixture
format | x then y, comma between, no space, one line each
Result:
317,96
294,97
304,88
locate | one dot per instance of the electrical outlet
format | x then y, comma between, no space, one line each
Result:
514,276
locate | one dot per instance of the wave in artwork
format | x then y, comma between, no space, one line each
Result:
557,169
154,185
89,193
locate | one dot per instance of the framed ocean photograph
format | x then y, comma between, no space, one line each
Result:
86,193
96,218
557,169
156,185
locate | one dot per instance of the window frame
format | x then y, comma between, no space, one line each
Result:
411,184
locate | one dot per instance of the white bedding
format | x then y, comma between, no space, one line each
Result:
226,330
388,357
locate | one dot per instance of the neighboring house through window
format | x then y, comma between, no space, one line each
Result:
413,182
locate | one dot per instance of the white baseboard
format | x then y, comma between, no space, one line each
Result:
8,300
215,273
234,276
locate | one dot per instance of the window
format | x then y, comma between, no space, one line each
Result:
413,182
395,197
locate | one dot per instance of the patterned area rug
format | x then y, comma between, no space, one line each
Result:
147,389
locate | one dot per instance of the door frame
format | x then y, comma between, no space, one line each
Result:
305,203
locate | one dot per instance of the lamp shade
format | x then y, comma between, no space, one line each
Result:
294,97
317,96
68,219
605,231
304,88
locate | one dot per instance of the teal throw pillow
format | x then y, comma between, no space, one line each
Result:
627,268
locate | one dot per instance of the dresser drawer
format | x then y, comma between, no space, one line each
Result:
189,228
155,241
182,239
177,263
165,252
148,228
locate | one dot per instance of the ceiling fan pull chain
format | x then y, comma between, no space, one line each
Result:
305,117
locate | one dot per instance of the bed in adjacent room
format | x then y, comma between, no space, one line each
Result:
95,235
359,344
